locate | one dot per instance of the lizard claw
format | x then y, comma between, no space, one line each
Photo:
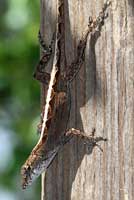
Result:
93,141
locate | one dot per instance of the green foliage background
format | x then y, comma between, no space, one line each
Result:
19,92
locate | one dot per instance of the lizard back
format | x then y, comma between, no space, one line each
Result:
56,112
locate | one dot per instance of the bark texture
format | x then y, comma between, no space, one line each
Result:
102,97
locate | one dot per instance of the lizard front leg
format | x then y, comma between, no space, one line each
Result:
90,140
93,26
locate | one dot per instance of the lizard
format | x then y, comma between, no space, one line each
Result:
55,115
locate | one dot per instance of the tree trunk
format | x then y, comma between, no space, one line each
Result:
102,97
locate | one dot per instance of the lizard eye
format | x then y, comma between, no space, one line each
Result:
26,170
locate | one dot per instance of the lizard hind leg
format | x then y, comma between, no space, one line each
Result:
43,45
43,77
94,25
39,73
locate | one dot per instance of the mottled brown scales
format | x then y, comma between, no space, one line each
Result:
55,114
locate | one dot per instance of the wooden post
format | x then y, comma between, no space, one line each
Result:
102,97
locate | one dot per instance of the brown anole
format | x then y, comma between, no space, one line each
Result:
55,115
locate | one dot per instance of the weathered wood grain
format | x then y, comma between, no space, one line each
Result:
102,97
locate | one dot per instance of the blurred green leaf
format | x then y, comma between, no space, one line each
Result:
19,92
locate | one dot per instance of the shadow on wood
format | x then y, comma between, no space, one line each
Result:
62,173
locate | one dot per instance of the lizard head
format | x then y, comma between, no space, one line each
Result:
31,170
35,166
28,175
